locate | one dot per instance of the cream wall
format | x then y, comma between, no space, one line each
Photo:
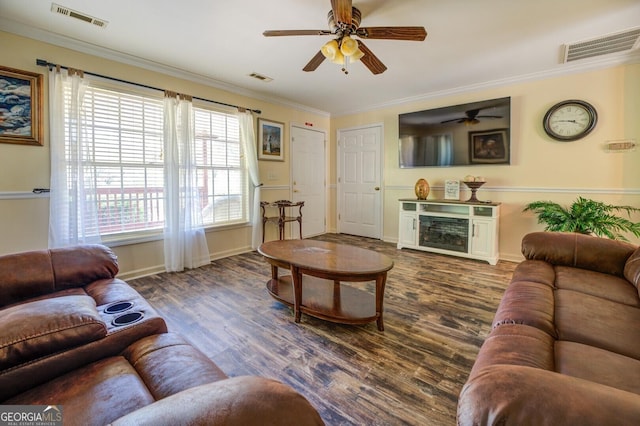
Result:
540,168
24,217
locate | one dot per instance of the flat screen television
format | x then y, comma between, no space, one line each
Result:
476,133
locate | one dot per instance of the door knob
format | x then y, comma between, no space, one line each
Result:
295,190
377,188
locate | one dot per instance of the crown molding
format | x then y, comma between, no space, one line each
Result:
607,61
593,64
55,39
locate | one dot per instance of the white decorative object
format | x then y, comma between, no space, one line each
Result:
452,189
621,145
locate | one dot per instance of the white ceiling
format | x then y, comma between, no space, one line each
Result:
471,44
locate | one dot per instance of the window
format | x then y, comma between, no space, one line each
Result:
125,133
221,176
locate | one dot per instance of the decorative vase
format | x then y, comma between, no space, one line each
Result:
473,186
422,189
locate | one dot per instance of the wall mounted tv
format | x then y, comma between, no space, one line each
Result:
477,133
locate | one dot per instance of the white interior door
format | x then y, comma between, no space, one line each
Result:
308,179
360,182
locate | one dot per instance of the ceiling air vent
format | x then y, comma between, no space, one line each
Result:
612,43
56,8
260,77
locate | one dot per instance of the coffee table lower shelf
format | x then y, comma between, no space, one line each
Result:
327,299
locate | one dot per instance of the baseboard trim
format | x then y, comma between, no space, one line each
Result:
159,269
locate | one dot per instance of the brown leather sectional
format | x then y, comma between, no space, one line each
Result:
565,343
72,334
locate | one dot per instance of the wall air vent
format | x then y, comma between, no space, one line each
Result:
611,43
260,77
56,8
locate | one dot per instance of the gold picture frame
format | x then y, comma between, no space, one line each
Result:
20,107
270,140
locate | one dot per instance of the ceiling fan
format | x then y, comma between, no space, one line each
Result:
471,117
344,22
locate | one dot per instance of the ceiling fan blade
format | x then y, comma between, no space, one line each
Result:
277,33
370,60
342,11
314,62
393,33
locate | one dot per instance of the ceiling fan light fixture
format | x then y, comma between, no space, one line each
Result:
330,49
356,55
348,46
338,58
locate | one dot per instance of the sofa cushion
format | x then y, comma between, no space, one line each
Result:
508,395
96,394
168,364
239,401
536,271
606,286
598,365
513,344
528,303
632,269
45,327
591,320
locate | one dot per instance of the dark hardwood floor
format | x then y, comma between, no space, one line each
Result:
437,311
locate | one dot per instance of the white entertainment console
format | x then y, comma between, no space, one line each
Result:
458,228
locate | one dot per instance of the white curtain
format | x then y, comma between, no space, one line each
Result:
185,244
73,202
445,149
248,142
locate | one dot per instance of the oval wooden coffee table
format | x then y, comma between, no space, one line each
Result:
317,270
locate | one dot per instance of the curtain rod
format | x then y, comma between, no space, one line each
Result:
44,63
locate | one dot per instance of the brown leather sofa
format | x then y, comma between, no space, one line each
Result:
565,343
73,335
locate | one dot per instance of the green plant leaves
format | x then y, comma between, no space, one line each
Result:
587,217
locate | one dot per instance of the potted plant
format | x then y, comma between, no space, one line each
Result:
587,217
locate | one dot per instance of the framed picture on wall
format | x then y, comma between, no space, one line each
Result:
270,140
20,107
489,146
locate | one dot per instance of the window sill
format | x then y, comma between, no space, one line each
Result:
146,237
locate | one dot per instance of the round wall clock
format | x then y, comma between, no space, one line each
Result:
570,120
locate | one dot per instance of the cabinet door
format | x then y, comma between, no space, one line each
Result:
408,230
482,237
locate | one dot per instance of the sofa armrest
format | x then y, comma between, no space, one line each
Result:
246,400
578,250
516,395
83,264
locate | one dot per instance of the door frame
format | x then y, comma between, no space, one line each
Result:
326,168
380,126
